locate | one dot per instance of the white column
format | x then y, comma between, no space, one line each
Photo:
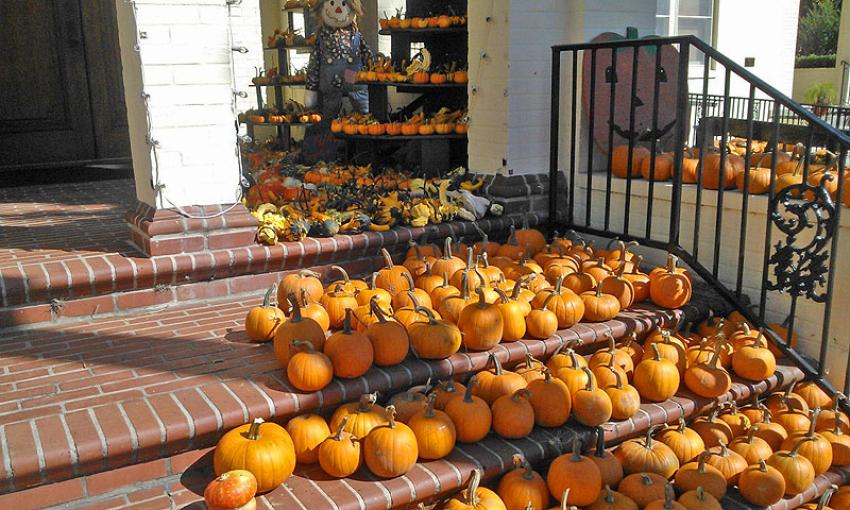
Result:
178,54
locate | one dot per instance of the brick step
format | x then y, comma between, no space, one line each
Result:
182,478
92,397
75,288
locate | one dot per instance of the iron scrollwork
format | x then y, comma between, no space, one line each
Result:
802,210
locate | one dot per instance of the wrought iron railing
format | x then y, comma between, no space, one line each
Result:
772,257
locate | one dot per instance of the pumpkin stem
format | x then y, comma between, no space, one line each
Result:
609,495
407,276
656,354
429,405
391,415
502,295
559,283
427,312
836,429
700,493
672,260
296,307
751,433
376,310
591,386
469,256
681,426
550,297
600,442
373,281
253,433
346,323
341,271
703,458
813,424
669,495
576,450
367,400
388,260
482,301
414,300
522,392
648,441
796,450
339,430
447,248
267,299
467,395
645,479
472,498
824,499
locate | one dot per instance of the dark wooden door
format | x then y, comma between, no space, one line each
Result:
60,85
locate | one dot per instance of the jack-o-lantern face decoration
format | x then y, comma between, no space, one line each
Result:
339,13
620,77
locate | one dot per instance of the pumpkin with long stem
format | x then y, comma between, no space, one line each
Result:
712,430
796,469
309,369
772,433
232,490
686,444
656,378
750,447
598,306
263,448
433,339
779,402
412,314
813,395
392,278
496,382
669,347
296,328
817,449
390,340
443,291
409,402
708,380
645,455
565,356
609,465
613,500
411,297
452,306
522,487
445,391
428,281
737,421
383,296
823,501
575,377
632,347
701,474
727,462
618,286
447,263
579,281
699,499
754,362
542,323
566,304
314,310
348,285
839,441
551,400
576,473
668,503
670,288
340,455
434,430
350,352
390,450
598,269
513,317
625,399
841,498
361,416
471,415
294,282
608,374
513,415
531,369
481,323
829,418
336,301
262,321
643,488
761,484
621,358
475,497
793,420
307,432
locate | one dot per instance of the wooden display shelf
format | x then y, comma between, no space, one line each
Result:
424,31
301,47
290,124
293,84
410,85
452,136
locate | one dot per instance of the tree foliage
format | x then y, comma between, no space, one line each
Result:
818,29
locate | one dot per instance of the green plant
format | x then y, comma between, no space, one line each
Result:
822,93
818,28
814,61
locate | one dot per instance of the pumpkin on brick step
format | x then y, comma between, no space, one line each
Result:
513,317
447,263
496,382
612,500
759,181
796,469
348,285
294,282
828,417
428,280
409,402
632,347
816,448
643,488
699,499
609,465
646,455
750,447
475,497
608,375
566,304
410,315
576,473
668,503
263,448
761,484
784,401
412,297
365,296
481,323
727,462
813,395
522,487
712,430
620,160
445,391
701,474
307,432
233,490
708,379
638,279
625,399
513,415
542,323
551,400
262,321
390,450
363,416
754,362
684,441
620,287
573,375
840,442
772,433
670,288
308,369
443,291
598,306
591,405
336,302
340,454
656,379
531,238
350,351
471,415
565,356
434,430
390,340
314,310
433,338
453,305
512,249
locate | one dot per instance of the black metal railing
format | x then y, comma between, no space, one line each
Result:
773,257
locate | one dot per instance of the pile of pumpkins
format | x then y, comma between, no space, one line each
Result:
790,169
767,460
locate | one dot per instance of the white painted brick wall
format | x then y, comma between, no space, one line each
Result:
185,58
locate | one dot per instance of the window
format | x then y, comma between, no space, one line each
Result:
686,17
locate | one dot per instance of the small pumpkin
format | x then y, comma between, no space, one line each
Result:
434,430
522,487
609,465
625,399
727,462
598,306
670,288
307,432
761,484
481,323
772,433
336,301
577,474
390,340
496,382
294,283
365,296
551,400
566,304
433,339
840,442
708,380
308,369
591,405
712,430
513,415
314,310
817,449
350,351
531,369
701,474
699,499
656,378
668,503
361,416
390,450
542,323
750,447
795,469
613,500
475,497
233,490
447,263
262,448
471,415
409,402
340,455
645,455
643,488
754,362
394,279
575,376
296,328
684,441
445,391
262,321
813,395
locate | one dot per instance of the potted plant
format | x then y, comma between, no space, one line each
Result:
821,94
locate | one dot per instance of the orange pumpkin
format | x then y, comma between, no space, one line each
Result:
262,321
577,474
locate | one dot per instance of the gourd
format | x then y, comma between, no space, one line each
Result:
233,490
263,448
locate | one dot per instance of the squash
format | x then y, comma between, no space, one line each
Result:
390,450
262,321
340,455
761,484
645,455
232,490
262,448
577,474
522,487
